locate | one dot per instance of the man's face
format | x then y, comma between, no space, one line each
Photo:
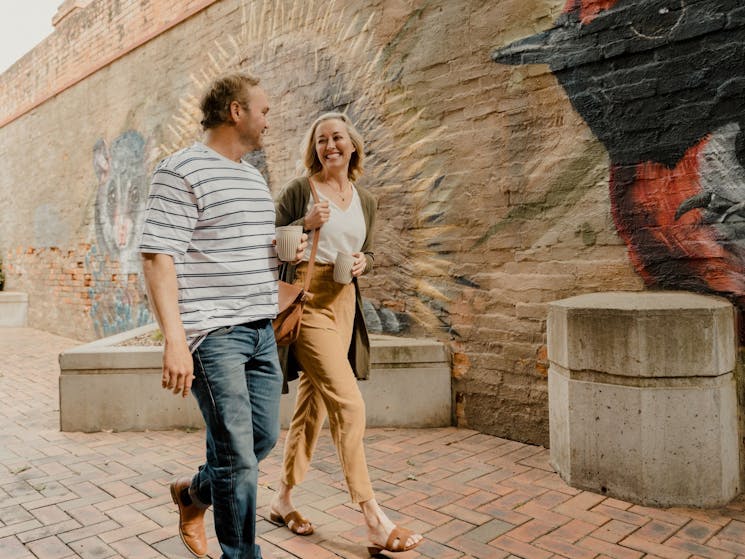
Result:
252,120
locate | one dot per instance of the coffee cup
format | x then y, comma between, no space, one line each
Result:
343,267
288,240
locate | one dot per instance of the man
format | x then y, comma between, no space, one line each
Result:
211,274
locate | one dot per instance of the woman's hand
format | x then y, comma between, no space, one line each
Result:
317,216
360,263
300,251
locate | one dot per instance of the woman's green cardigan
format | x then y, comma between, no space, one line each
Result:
291,207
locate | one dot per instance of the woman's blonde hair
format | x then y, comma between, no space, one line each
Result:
310,158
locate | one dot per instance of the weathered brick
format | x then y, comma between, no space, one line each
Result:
493,190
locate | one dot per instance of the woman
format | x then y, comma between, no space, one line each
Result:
333,346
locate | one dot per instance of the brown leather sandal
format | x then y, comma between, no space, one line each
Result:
396,542
292,520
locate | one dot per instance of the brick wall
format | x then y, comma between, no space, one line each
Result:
85,40
493,188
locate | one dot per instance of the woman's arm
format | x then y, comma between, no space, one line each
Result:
289,205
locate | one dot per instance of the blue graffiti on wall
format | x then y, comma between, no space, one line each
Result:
117,294
121,197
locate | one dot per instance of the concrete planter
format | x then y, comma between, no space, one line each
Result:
13,309
104,386
642,397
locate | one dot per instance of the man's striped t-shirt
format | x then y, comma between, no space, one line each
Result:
216,218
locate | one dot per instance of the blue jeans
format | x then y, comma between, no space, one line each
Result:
237,384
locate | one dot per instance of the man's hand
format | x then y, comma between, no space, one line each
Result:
178,368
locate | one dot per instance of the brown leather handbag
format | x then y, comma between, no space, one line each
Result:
292,297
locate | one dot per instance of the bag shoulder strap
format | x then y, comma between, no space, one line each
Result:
316,235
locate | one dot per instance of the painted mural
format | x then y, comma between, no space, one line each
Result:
331,72
121,197
662,85
117,292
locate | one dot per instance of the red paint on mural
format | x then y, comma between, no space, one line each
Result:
588,9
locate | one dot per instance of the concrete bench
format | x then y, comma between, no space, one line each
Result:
642,397
13,309
104,386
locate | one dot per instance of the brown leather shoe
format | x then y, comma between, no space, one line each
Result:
191,520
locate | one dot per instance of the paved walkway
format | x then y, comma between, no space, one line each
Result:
105,495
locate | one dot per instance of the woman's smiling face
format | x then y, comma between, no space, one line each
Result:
333,145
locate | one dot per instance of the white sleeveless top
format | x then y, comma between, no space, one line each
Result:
345,231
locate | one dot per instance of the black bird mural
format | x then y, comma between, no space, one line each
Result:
662,84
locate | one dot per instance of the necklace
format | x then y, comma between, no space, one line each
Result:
341,194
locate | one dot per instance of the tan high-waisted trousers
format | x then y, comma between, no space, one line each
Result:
327,385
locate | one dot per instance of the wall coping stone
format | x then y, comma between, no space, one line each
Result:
13,297
385,352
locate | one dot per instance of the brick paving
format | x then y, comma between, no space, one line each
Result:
105,495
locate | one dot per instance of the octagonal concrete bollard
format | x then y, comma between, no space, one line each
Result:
642,396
